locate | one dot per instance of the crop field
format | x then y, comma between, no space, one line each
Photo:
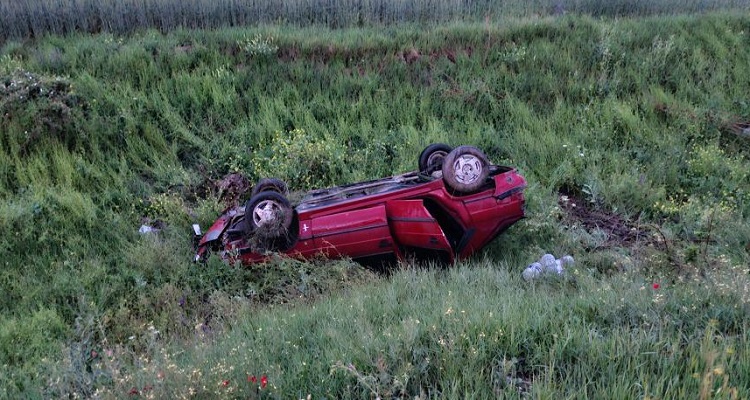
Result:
631,126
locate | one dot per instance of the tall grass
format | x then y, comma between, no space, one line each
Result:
631,118
21,19
477,331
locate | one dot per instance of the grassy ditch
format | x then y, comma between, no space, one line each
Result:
629,131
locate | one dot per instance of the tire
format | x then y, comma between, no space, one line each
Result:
270,222
431,158
465,169
268,214
272,185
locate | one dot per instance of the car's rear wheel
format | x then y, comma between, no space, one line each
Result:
465,169
269,216
431,158
272,185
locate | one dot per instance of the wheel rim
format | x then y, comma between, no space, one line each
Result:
265,211
467,168
436,158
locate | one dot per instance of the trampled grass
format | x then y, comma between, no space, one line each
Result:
632,119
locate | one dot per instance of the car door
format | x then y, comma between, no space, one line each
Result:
356,233
413,226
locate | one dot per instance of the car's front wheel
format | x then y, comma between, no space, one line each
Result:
465,169
269,217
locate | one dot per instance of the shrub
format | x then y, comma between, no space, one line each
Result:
258,46
318,160
36,107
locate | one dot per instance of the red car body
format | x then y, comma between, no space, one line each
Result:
407,214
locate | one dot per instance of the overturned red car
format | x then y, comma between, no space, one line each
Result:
451,207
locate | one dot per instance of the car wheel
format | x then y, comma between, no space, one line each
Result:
465,169
272,185
431,158
268,214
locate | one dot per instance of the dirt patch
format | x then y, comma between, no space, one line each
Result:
411,56
232,187
450,54
288,54
619,231
739,128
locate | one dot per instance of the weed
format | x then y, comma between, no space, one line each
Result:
258,46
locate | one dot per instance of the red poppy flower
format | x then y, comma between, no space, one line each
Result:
252,378
263,381
656,286
225,383
133,391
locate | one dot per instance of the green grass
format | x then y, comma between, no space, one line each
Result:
37,18
631,118
473,330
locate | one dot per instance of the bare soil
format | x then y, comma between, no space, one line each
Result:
620,231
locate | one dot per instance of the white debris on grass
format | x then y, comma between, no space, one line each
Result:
547,265
145,229
532,271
